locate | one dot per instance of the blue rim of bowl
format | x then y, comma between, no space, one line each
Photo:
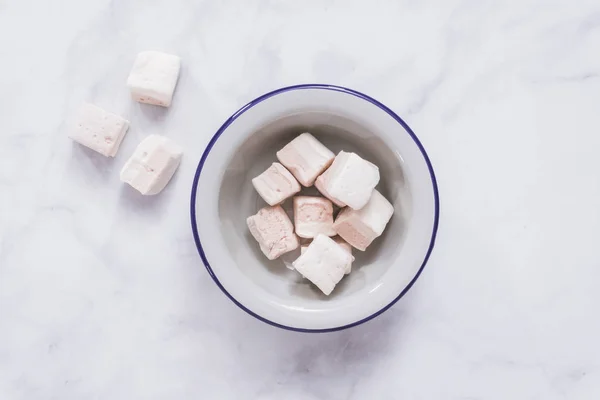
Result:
260,99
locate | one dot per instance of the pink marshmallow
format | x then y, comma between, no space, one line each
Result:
306,158
276,184
360,227
313,215
273,230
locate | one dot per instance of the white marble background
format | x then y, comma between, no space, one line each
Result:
102,292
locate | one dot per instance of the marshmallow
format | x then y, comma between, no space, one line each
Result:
313,215
273,230
343,244
276,184
346,246
152,164
98,130
306,158
361,227
324,263
153,78
320,185
350,180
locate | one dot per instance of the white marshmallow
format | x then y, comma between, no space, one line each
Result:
306,158
313,215
276,184
324,263
152,164
361,227
98,130
350,180
346,246
273,230
153,78
320,185
343,244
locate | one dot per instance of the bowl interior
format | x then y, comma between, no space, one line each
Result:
238,200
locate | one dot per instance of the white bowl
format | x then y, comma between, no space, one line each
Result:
223,197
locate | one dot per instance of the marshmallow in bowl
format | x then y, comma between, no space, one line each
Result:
153,78
336,239
306,158
346,246
98,130
350,180
360,227
273,230
313,215
276,184
343,244
320,185
152,164
324,263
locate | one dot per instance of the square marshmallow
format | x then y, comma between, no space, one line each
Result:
273,230
361,227
320,185
152,164
276,184
99,130
343,244
153,78
313,215
306,158
350,180
324,263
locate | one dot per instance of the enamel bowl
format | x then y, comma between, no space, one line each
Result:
223,197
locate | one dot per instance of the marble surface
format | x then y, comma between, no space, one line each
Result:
102,292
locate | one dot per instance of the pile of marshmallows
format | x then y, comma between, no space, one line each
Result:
152,80
346,180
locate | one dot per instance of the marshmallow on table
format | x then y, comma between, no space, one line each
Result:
313,215
153,78
360,227
306,158
324,263
276,184
152,164
98,130
343,244
273,230
350,180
